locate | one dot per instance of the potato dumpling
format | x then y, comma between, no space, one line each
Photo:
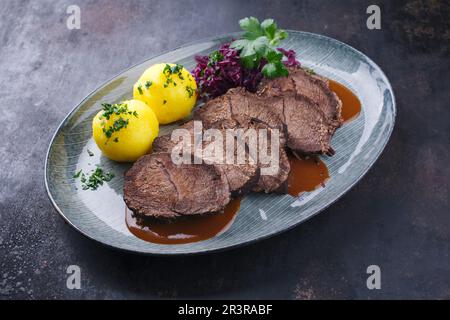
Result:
125,131
169,89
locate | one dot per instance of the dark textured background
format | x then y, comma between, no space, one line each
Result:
397,217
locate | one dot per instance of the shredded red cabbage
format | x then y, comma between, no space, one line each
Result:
221,70
290,58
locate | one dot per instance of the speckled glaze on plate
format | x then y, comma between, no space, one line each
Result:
100,214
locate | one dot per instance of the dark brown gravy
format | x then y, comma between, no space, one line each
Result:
191,229
307,174
351,106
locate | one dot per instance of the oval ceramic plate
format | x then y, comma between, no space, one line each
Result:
100,214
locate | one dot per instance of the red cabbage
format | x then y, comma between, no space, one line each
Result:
221,70
290,58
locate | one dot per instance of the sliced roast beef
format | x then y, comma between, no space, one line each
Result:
317,89
308,130
310,110
276,183
312,86
237,108
274,167
241,109
272,160
165,143
241,176
156,187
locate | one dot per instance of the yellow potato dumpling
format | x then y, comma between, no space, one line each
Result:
169,89
125,131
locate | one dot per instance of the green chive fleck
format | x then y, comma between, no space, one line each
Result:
77,175
96,179
190,91
117,109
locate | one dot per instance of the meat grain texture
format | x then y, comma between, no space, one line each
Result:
241,176
156,187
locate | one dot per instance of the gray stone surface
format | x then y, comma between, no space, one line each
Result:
397,217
